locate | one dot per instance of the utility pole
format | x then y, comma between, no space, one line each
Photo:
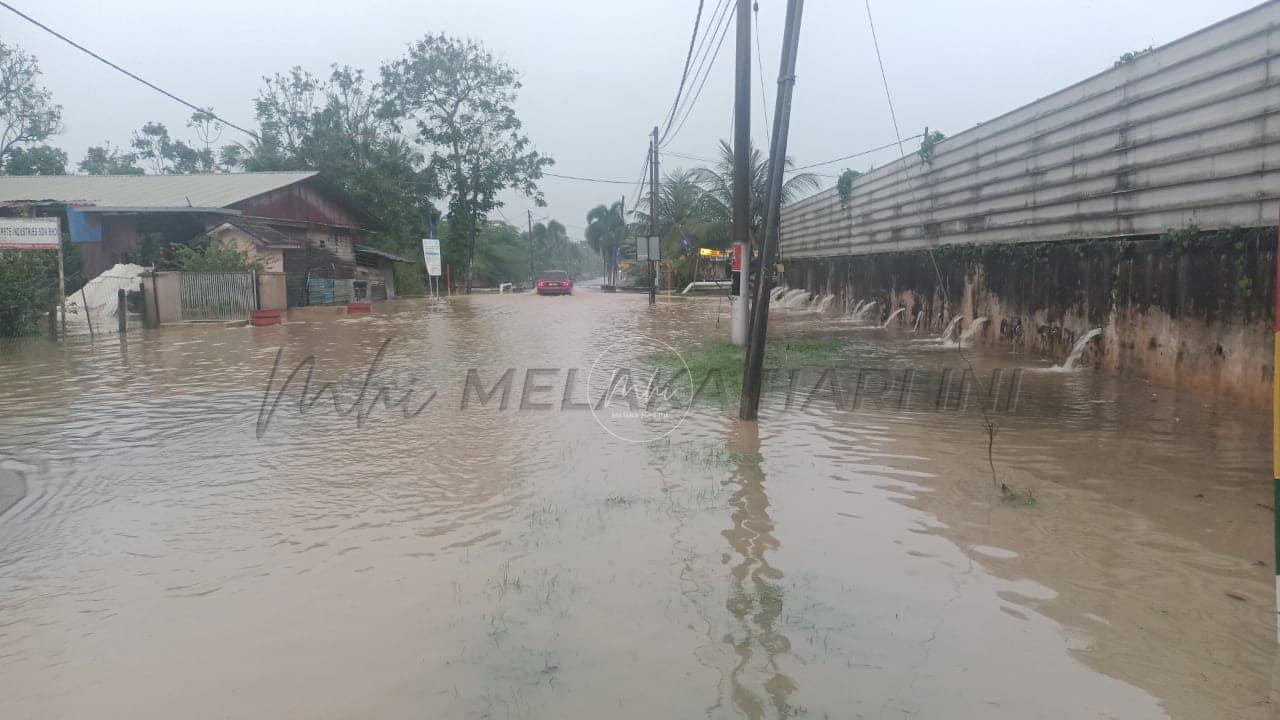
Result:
614,246
739,315
749,404
533,276
653,217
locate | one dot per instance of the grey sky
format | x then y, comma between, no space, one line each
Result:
598,74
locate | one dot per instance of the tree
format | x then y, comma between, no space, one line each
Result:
167,156
106,160
460,98
27,111
38,160
212,257
552,249
334,125
718,183
606,231
28,290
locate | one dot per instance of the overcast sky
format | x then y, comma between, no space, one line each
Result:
599,74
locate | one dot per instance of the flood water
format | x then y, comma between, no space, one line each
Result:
176,556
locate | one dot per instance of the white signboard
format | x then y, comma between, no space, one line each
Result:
431,252
648,248
30,233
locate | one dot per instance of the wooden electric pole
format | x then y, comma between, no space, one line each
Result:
749,404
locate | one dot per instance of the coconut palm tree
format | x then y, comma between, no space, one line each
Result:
606,230
684,208
718,184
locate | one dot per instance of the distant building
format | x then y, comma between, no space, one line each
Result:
295,223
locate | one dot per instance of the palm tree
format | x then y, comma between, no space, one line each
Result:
552,246
718,184
684,208
606,229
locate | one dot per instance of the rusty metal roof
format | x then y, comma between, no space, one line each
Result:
144,192
262,235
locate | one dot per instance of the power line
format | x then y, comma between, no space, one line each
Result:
709,65
864,152
107,62
586,179
686,156
644,174
684,74
703,58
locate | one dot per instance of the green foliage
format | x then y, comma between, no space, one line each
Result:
107,160
335,124
28,290
461,100
212,257
165,156
38,160
27,111
1179,239
606,231
724,361
928,145
844,185
1129,57
717,184
1016,497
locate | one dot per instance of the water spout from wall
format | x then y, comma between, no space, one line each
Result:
1077,350
951,328
888,321
974,328
864,313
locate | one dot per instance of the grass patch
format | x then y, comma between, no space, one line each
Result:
1016,497
721,364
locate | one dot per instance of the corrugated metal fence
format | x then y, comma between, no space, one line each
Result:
1187,134
218,296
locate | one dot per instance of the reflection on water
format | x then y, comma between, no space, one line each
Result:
756,595
161,559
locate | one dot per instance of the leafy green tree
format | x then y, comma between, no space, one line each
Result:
334,124
502,254
166,156
552,249
37,160
606,231
212,256
461,99
27,112
28,290
107,160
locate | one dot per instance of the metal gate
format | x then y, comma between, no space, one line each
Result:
218,296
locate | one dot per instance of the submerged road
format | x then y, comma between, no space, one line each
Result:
399,546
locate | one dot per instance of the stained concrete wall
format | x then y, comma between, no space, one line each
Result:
1189,310
272,291
162,292
1187,134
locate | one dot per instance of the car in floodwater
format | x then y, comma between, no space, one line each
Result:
555,282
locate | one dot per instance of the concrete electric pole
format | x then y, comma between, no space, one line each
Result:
653,218
749,404
738,308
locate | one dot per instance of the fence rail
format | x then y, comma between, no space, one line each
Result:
218,296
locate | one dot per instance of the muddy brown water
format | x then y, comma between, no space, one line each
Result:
169,560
